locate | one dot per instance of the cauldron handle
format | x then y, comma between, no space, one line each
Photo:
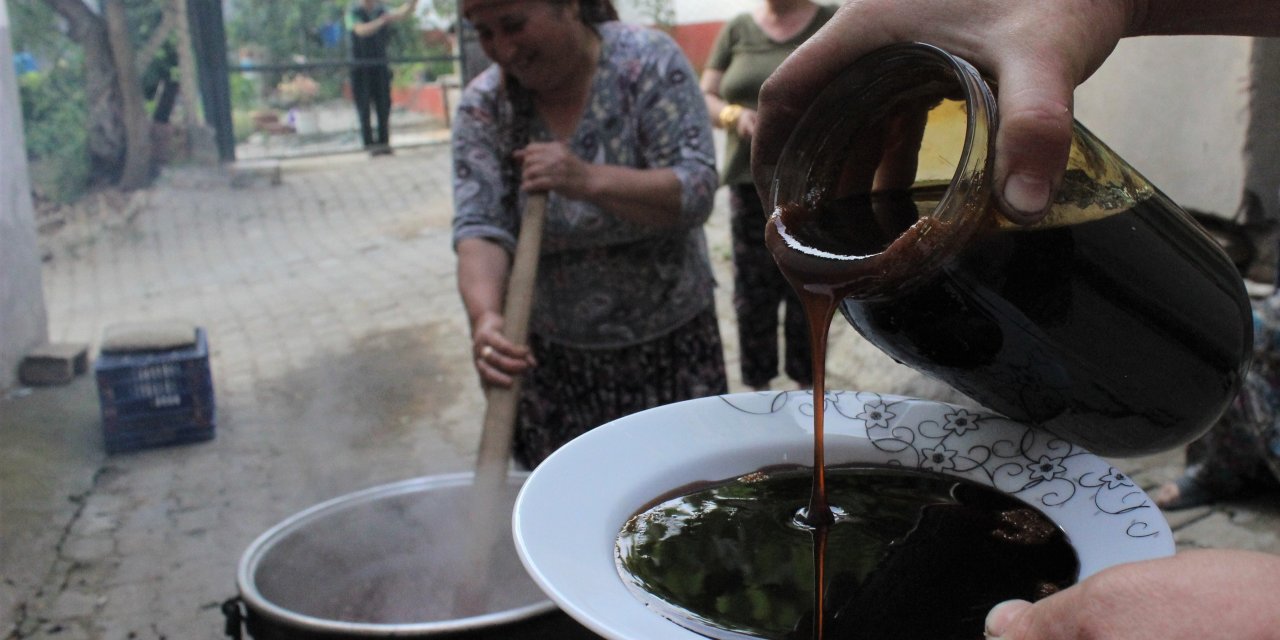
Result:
233,611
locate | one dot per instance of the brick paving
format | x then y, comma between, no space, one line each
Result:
340,362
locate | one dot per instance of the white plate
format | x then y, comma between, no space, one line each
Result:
571,508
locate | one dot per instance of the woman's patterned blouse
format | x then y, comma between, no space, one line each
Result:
602,281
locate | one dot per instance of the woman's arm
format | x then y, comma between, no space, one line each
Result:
366,29
710,85
724,114
645,196
675,131
483,269
673,182
485,226
730,117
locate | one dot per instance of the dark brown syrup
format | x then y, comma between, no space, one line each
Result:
908,555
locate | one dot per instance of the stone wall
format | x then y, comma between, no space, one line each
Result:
23,322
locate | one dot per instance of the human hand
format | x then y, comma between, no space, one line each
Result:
1190,596
497,359
747,124
1037,51
552,166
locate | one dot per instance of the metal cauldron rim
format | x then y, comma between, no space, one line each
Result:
257,603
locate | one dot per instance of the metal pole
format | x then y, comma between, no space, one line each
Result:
209,40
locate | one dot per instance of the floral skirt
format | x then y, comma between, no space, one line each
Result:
758,289
574,390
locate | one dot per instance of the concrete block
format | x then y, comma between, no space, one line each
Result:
50,364
247,173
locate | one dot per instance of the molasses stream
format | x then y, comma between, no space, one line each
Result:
1116,323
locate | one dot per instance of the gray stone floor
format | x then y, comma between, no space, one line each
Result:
340,363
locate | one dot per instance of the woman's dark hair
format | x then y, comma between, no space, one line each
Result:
593,11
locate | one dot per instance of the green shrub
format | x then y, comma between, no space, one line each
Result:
244,93
241,124
53,116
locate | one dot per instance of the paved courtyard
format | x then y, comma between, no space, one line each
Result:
341,362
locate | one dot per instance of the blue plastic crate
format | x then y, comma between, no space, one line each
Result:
156,398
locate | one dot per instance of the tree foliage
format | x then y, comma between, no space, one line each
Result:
306,39
660,13
284,32
85,112
53,115
74,40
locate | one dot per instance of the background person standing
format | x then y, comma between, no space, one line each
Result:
369,23
748,49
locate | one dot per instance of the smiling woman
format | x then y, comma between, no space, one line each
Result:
608,120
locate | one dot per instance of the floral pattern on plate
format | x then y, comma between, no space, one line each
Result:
1039,468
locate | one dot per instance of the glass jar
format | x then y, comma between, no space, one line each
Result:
1115,323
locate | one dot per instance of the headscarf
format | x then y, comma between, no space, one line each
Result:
589,11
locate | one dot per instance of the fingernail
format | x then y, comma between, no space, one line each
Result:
1001,615
1027,194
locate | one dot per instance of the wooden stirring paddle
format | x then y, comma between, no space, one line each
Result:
490,513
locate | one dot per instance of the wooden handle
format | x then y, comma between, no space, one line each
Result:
489,511
501,402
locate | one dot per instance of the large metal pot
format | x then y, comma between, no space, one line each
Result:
385,562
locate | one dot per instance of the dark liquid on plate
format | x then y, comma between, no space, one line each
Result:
909,555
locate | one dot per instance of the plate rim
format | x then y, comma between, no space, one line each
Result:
847,427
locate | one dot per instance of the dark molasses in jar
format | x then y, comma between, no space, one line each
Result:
1115,323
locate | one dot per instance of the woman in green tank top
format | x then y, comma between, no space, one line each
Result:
748,49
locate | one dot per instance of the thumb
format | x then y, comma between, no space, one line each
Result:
1054,618
1003,616
1034,138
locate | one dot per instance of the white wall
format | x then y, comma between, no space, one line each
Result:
1178,110
23,323
695,11
690,11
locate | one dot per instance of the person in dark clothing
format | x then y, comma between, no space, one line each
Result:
369,24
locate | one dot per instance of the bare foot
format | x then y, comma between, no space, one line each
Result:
1168,495
1184,493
